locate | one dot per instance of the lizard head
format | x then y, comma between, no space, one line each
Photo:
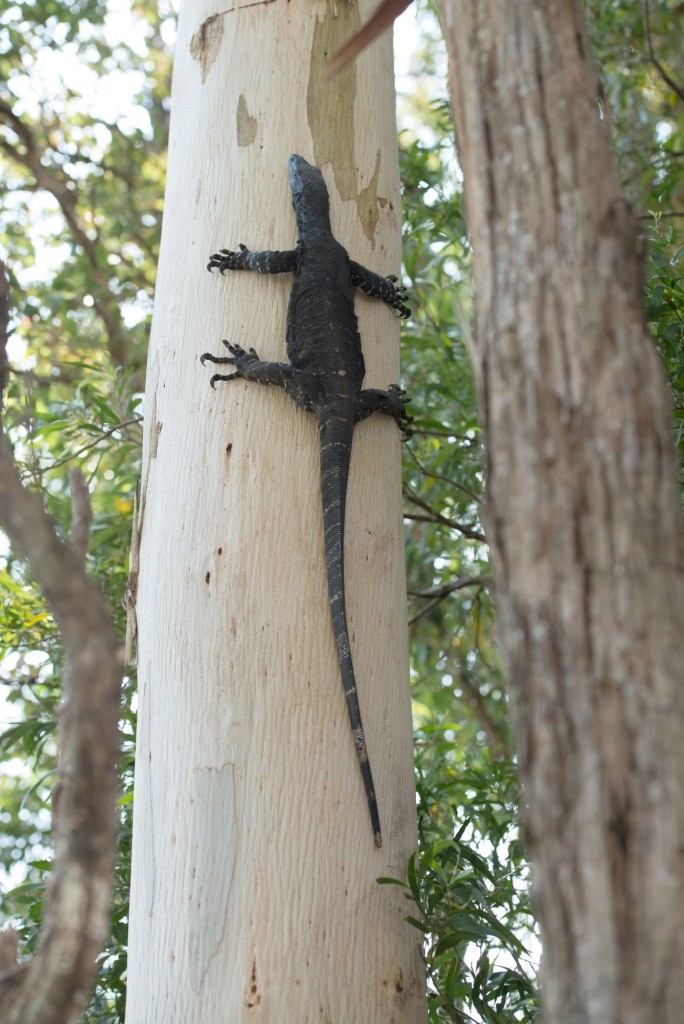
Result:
309,192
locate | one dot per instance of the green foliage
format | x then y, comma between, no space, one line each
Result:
665,315
81,200
80,206
470,889
639,46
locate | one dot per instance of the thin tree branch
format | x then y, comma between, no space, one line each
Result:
434,597
379,23
654,60
437,517
661,214
40,379
94,443
446,479
449,588
472,693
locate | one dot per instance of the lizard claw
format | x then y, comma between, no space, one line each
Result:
399,297
237,352
397,409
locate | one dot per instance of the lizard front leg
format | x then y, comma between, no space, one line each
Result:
380,287
266,261
301,386
391,402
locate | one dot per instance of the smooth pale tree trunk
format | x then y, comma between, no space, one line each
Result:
254,893
583,518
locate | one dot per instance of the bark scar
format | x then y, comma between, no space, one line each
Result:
254,997
204,45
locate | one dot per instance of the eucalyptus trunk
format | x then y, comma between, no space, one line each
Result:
254,893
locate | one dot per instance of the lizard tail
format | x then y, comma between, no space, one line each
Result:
336,439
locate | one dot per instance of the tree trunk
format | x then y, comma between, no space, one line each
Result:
583,519
254,892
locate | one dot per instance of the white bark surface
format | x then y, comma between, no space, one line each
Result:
254,868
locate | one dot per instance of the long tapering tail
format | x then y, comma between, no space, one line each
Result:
336,428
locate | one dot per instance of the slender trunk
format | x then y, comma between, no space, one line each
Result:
583,518
254,891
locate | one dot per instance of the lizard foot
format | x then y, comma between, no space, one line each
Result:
238,357
226,259
398,403
399,297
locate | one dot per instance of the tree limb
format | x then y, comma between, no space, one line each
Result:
437,517
53,987
676,88
382,20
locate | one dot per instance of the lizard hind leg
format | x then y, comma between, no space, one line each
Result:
391,403
207,356
300,385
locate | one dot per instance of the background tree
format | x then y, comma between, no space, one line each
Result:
583,521
70,404
54,986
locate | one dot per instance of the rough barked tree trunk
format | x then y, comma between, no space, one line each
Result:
254,892
583,519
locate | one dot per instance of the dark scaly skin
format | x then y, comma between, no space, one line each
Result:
324,376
